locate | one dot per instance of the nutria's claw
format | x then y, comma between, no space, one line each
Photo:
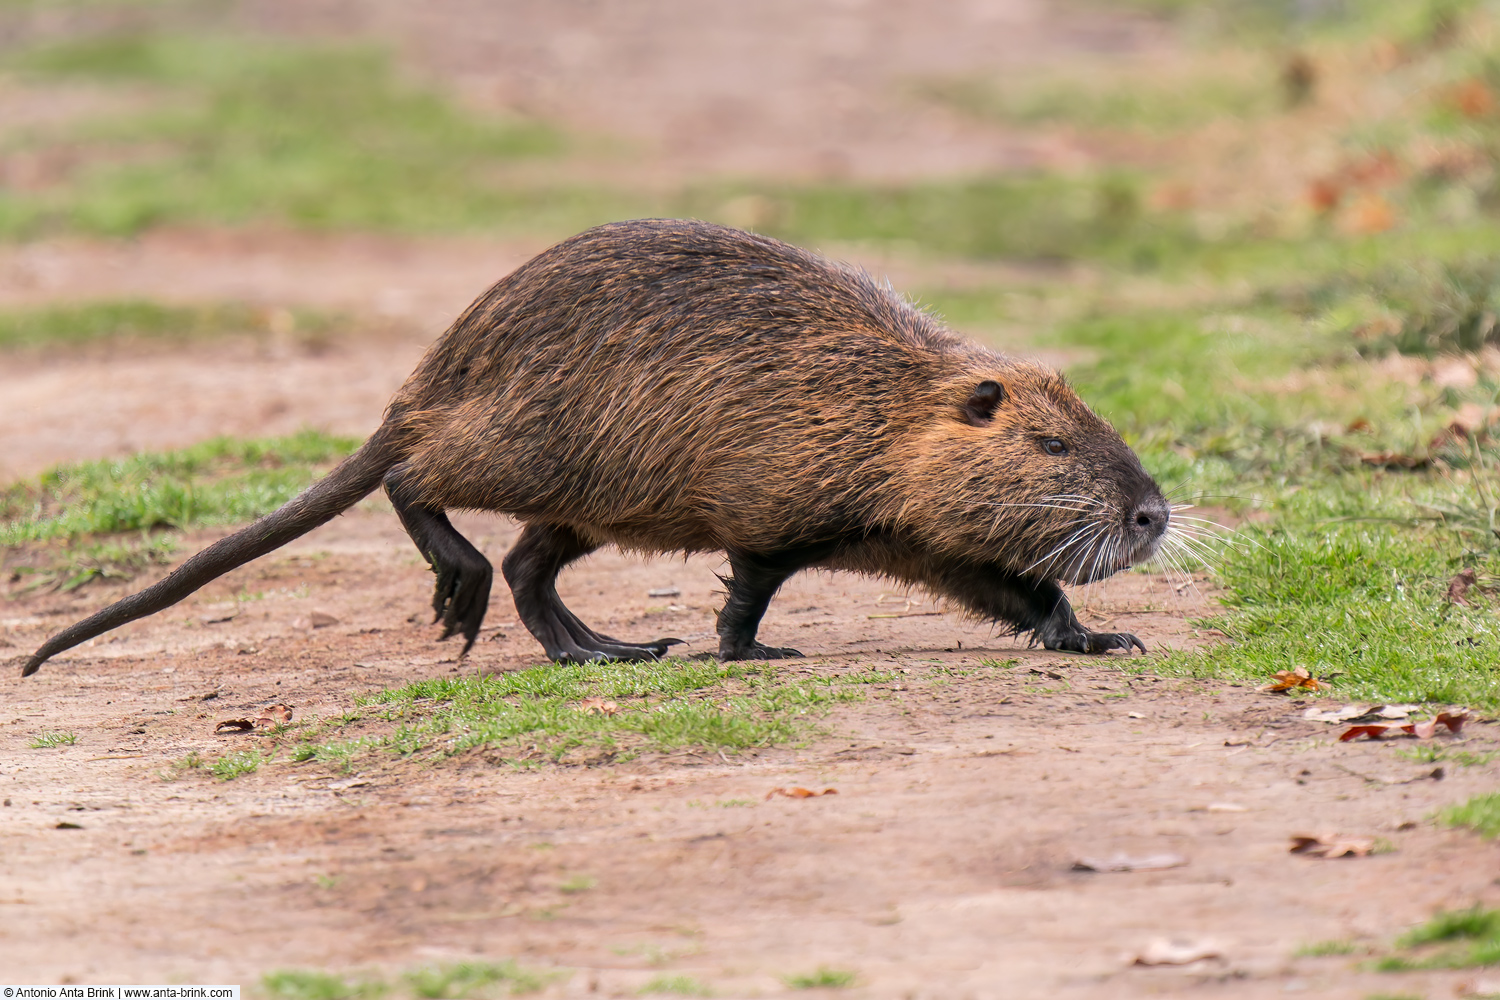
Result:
1082,640
756,651
1103,642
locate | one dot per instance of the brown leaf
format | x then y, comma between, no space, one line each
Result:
1473,98
276,715
65,825
1324,194
1421,730
235,726
1294,680
799,792
1394,460
1331,845
1126,863
322,619
598,706
1458,587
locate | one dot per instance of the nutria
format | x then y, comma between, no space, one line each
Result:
674,386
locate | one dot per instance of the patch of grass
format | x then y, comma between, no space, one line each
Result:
1319,949
683,986
1107,102
144,319
1480,814
84,563
578,883
535,716
311,135
823,977
1038,217
237,764
56,739
223,481
464,980
1453,939
296,984
1333,587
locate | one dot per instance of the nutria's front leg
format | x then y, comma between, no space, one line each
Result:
1036,606
755,580
1061,629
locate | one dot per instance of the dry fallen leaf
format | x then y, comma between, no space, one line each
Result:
1394,460
1126,863
322,619
799,793
1331,845
1294,680
1421,730
235,726
1458,587
276,715
598,706
1176,951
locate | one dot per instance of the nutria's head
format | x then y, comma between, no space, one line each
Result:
1014,469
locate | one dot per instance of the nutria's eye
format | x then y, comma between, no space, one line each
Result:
1055,446
982,402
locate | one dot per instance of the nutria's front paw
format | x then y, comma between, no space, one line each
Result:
1081,640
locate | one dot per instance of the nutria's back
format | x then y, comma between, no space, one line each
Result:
678,385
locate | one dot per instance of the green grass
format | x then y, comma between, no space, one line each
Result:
237,764
682,986
1453,939
823,977
465,980
1109,102
296,984
1037,217
48,740
533,716
312,135
1320,949
1480,814
143,319
221,481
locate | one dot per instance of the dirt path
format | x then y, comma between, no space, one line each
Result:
941,869
780,88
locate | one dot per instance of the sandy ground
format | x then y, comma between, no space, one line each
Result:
944,866
941,869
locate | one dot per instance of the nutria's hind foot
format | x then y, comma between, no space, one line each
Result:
531,569
756,651
461,595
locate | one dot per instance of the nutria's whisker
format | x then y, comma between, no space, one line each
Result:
1067,543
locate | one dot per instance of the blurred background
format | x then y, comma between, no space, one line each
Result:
1258,234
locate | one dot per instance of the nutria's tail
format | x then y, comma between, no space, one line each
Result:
348,484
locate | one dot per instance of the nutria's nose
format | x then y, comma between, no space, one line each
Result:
1149,517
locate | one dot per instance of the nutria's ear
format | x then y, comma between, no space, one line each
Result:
982,402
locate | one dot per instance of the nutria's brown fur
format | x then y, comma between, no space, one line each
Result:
674,386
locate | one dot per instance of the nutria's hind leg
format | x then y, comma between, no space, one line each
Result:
755,580
531,569
462,593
